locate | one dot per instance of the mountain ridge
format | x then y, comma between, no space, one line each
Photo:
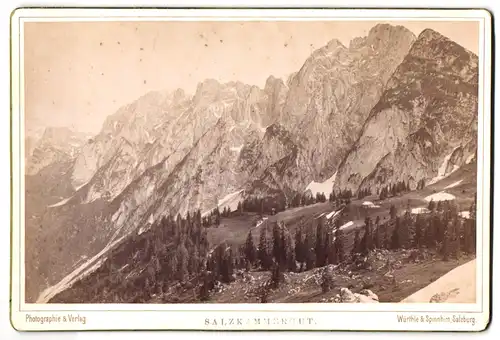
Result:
170,153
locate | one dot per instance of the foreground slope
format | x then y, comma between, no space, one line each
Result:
457,286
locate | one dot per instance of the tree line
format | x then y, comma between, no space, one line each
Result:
177,250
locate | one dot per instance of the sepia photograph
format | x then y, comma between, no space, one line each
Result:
223,160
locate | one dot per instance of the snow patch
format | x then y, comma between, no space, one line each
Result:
260,222
442,169
368,204
81,186
333,214
470,158
236,148
464,214
440,196
58,204
324,187
454,184
231,200
346,225
458,286
421,210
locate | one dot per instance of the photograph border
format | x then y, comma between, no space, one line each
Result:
19,309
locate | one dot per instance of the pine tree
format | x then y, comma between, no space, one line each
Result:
383,194
472,226
376,234
250,252
432,206
290,254
263,253
405,228
277,275
299,246
445,248
276,242
206,286
228,266
339,245
395,240
455,238
331,252
356,244
386,240
182,262
429,238
283,260
308,251
418,238
367,240
320,245
393,212
194,261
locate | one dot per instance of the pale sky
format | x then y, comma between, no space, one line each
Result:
78,73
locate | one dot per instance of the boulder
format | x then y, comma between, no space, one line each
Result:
365,296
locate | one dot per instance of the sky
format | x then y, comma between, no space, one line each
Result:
78,73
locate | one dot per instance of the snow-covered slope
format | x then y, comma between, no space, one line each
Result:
457,286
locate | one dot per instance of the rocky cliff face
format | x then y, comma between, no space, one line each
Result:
329,99
332,95
425,124
165,127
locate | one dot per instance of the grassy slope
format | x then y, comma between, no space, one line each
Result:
304,287
234,230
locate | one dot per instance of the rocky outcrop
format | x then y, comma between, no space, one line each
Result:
424,125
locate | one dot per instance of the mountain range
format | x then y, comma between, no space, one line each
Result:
389,107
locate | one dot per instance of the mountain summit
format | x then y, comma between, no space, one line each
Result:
425,123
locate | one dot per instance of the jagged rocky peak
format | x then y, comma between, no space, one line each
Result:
426,118
207,90
388,34
272,83
61,136
334,44
56,144
446,53
334,91
146,106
